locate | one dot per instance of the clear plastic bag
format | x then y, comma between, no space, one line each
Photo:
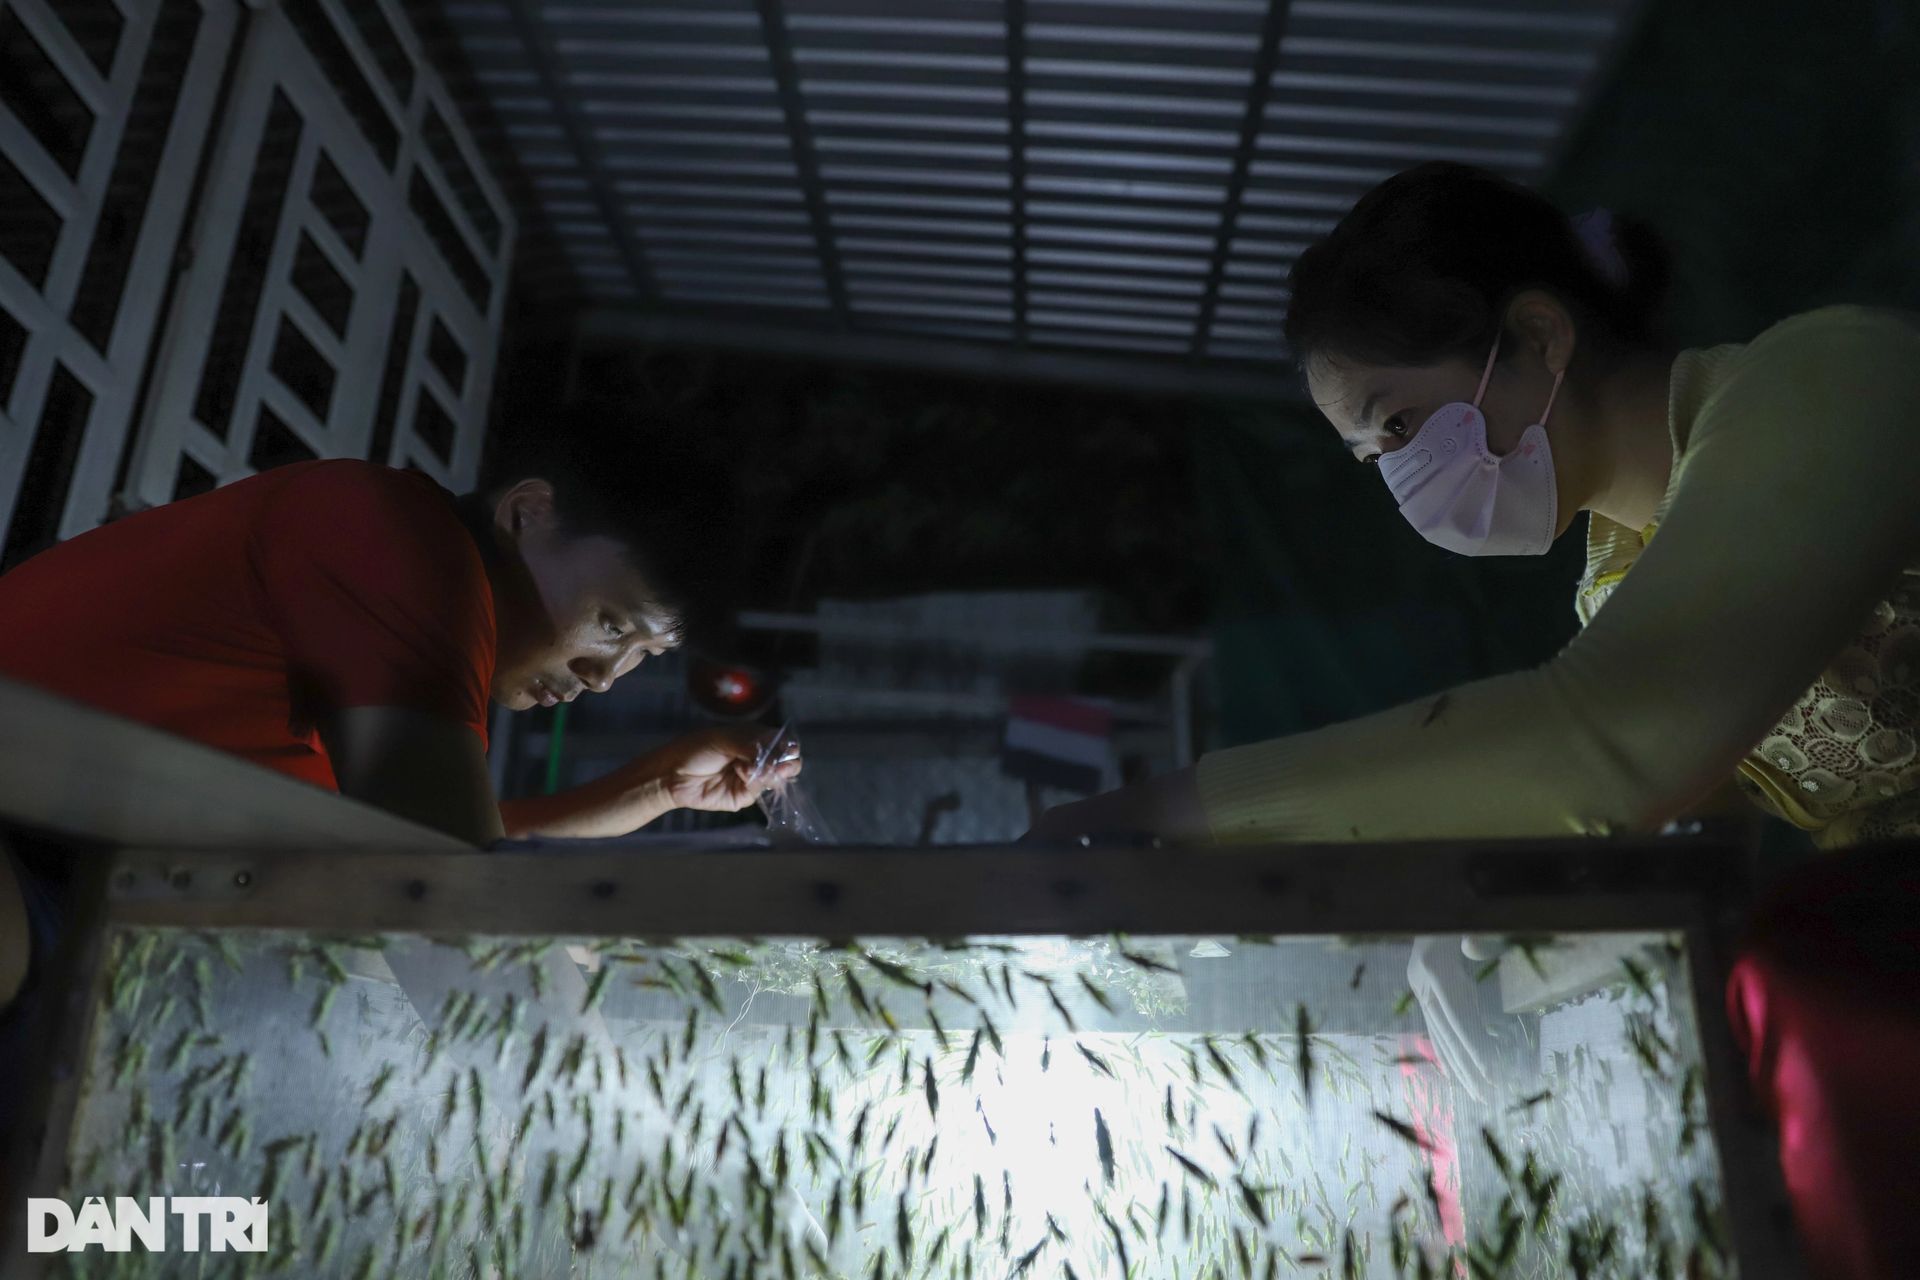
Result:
790,812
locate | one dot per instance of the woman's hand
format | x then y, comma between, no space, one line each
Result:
713,769
1112,813
1167,806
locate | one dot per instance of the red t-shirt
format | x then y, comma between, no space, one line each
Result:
240,617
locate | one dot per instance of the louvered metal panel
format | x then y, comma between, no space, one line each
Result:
1131,177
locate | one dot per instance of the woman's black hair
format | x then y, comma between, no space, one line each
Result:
647,485
1422,269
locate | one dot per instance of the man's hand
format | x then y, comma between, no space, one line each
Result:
712,770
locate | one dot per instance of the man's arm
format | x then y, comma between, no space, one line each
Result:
430,769
711,770
424,767
16,939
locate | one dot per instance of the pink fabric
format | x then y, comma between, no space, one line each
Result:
1841,1077
1433,1121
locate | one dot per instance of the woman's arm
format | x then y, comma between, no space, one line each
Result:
1167,806
1798,504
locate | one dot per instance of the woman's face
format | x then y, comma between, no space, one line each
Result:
1379,407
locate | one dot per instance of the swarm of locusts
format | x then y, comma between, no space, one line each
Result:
987,1109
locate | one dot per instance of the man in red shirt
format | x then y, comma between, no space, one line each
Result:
347,623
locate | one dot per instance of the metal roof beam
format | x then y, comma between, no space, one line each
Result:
1261,88
978,358
806,160
1017,157
540,49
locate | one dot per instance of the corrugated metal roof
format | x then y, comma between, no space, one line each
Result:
1127,177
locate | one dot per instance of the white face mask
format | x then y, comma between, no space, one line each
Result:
1461,497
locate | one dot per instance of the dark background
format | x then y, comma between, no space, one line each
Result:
1776,144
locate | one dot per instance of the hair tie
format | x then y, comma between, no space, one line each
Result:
1594,231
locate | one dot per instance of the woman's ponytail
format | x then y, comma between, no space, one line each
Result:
1422,267
1649,278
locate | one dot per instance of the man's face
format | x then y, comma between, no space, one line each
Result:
572,614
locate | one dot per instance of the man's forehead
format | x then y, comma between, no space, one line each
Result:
650,615
644,608
627,591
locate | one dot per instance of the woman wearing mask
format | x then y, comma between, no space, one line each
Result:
1752,594
1750,611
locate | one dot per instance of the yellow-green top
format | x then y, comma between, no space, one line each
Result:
1780,605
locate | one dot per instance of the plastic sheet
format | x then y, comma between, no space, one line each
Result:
791,815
